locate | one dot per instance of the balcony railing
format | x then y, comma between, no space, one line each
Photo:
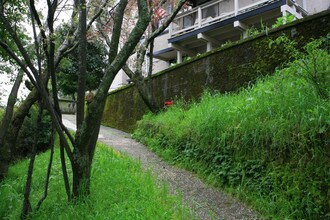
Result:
212,12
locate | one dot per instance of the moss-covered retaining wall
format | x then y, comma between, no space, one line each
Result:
225,69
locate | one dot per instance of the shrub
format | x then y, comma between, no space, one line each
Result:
28,132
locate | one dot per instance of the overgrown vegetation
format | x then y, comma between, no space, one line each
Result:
268,143
26,137
120,190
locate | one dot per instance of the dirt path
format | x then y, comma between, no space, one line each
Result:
206,201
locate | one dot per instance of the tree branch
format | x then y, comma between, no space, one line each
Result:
103,33
90,23
128,72
49,168
18,61
118,21
166,23
18,44
42,30
68,46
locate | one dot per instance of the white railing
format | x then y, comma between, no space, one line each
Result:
201,16
212,12
248,7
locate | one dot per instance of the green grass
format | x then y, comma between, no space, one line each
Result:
269,144
119,190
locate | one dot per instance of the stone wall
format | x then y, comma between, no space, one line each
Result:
226,69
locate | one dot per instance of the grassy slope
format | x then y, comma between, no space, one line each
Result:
119,190
268,143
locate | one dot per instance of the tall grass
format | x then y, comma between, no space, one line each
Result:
119,190
269,143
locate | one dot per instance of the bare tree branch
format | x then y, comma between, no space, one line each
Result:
71,43
36,42
103,33
167,22
18,44
42,30
49,168
128,72
116,32
90,23
18,61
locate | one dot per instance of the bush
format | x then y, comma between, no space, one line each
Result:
269,142
28,132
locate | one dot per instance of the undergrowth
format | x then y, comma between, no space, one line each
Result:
119,190
268,144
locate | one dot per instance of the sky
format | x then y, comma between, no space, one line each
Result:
5,87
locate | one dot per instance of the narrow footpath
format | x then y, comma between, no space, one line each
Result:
206,201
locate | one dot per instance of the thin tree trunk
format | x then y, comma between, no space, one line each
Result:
82,64
64,171
26,203
144,88
81,164
5,149
44,196
51,69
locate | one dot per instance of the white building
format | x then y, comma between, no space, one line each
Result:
209,24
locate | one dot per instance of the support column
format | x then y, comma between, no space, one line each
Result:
208,46
242,27
178,56
210,41
236,7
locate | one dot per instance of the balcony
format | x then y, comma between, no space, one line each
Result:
216,22
219,10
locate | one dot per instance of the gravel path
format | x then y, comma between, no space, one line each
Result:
206,201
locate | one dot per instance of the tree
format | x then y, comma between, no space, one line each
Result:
5,151
9,67
143,81
48,58
81,155
69,67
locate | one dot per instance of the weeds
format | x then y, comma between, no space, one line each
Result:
269,143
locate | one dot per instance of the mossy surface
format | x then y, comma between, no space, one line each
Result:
224,69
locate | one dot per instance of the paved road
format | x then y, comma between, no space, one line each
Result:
206,201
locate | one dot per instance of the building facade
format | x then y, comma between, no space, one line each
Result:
203,25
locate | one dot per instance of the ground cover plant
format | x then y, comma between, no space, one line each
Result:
120,190
269,143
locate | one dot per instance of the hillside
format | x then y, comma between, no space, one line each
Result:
268,144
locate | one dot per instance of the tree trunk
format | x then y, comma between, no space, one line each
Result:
16,123
145,90
27,208
82,163
82,65
5,149
81,171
